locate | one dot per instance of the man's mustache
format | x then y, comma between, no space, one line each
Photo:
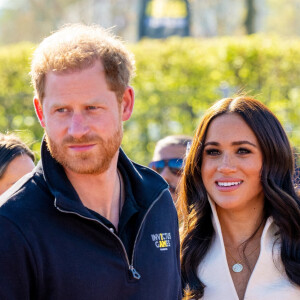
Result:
82,140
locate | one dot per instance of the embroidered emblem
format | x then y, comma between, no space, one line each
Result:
162,241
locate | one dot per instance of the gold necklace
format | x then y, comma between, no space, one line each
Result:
238,267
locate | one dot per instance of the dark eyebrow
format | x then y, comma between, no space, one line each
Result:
234,143
243,142
211,143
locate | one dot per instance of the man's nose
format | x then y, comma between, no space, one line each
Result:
227,164
166,173
78,126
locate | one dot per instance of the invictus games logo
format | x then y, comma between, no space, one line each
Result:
162,240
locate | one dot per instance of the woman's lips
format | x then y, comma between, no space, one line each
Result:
228,185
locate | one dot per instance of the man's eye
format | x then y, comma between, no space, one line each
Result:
91,107
212,152
243,151
61,110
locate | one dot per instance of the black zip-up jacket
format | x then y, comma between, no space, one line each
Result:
52,247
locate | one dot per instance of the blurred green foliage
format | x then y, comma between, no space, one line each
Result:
177,80
16,108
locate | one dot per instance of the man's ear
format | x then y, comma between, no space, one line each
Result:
39,111
127,103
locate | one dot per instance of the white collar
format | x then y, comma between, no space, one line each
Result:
217,225
214,271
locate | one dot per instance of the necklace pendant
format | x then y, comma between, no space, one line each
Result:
237,268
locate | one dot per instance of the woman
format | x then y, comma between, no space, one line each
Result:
241,216
16,159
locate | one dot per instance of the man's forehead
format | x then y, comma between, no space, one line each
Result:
169,151
69,70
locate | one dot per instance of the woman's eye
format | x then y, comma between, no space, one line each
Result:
212,152
243,151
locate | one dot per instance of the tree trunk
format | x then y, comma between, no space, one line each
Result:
251,17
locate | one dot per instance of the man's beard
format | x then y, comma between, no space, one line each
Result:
89,162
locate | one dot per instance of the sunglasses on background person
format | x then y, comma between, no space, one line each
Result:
174,165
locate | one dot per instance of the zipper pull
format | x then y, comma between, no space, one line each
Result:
134,273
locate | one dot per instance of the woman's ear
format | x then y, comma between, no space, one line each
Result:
39,111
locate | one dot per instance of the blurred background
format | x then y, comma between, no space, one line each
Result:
189,53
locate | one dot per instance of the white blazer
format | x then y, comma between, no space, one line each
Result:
268,280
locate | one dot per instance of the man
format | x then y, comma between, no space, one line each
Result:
87,223
168,158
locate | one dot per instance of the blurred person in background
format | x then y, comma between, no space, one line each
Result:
296,180
296,176
241,215
168,159
16,160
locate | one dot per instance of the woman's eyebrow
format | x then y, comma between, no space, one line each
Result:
243,142
211,143
237,143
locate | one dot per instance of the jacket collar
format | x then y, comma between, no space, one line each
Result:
145,184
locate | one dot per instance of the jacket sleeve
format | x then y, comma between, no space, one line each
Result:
16,263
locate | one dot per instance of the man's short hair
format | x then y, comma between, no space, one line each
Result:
173,140
77,47
11,147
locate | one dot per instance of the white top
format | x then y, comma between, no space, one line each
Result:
268,280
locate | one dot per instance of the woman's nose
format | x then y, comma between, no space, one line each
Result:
227,164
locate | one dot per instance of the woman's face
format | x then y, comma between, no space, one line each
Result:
231,164
17,168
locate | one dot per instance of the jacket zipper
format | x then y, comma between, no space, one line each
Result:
137,235
131,268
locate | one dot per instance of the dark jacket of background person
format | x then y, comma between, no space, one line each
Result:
41,220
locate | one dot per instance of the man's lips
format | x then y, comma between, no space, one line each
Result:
172,188
81,147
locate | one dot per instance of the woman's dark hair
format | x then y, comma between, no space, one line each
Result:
11,147
281,201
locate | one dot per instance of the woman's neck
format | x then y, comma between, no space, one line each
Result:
237,227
